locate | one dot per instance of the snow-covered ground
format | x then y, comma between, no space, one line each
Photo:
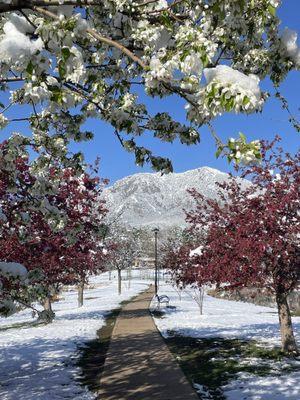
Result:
231,319
38,363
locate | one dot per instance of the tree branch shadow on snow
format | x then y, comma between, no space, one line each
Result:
22,325
81,315
99,314
39,364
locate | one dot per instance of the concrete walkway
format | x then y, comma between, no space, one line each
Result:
139,365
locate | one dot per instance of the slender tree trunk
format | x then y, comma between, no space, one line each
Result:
47,315
201,297
288,341
129,278
119,281
202,301
80,293
109,275
47,304
178,291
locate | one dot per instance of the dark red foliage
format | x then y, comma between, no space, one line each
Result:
68,254
252,234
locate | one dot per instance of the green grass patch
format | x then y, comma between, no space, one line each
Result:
252,350
214,362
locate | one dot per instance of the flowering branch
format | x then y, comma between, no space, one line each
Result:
66,59
28,4
97,36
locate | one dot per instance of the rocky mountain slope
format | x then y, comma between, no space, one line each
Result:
149,199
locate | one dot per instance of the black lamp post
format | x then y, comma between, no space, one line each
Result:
156,230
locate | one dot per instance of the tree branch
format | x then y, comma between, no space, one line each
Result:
23,4
97,36
15,79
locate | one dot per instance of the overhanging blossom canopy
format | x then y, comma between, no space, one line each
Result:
74,60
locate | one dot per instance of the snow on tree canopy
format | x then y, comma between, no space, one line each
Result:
11,269
227,75
289,41
14,43
196,252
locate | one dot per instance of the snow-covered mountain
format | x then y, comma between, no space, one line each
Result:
149,199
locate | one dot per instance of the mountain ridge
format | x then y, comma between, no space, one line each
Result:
151,199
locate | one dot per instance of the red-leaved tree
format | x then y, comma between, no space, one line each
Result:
252,234
60,233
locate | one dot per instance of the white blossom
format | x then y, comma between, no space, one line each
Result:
128,101
192,64
3,121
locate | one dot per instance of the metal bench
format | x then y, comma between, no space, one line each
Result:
163,299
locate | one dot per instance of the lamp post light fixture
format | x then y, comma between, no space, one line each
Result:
156,230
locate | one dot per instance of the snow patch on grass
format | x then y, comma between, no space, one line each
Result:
236,320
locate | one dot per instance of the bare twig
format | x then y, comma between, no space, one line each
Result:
214,135
284,103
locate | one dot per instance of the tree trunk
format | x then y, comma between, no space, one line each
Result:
201,297
119,281
47,315
47,304
288,341
129,278
178,291
80,293
109,275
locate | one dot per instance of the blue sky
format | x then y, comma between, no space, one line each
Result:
116,163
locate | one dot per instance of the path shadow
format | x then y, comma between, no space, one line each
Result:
139,368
